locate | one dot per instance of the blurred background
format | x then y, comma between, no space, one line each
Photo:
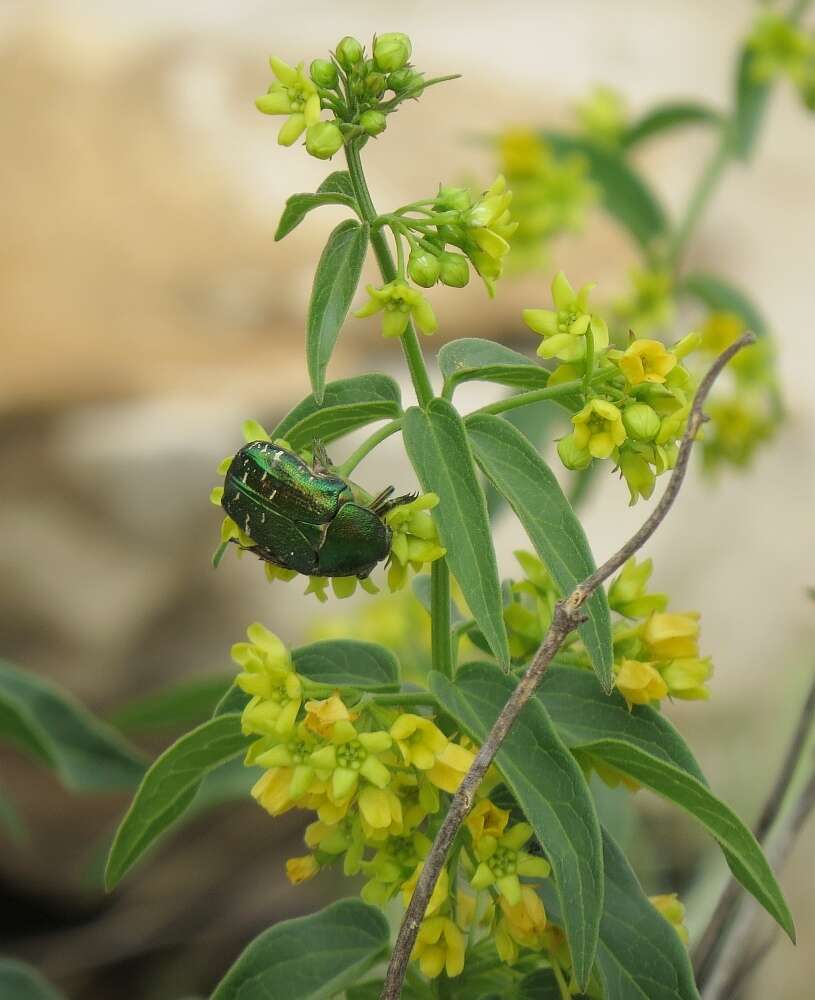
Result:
146,311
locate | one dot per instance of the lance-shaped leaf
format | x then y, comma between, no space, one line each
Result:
437,446
640,956
347,404
335,283
626,196
740,847
344,663
550,787
338,182
582,713
721,296
87,754
310,958
517,471
666,117
751,104
299,205
184,704
169,786
471,358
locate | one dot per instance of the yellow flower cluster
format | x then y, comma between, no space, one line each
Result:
374,774
637,400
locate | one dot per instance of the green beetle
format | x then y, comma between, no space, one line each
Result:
306,518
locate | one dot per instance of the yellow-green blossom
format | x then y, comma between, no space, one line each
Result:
673,911
415,538
671,635
349,757
685,678
598,428
300,869
603,115
439,947
627,594
639,683
566,328
295,95
646,361
502,861
399,302
779,46
523,923
268,675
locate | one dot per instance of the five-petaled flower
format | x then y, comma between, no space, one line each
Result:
294,94
399,302
566,327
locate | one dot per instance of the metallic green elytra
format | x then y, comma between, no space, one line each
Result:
306,518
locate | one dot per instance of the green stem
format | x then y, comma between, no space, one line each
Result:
700,196
367,446
440,629
589,373
536,395
410,342
403,698
562,985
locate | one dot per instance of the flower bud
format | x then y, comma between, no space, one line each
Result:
687,344
402,79
572,456
323,140
638,476
456,199
375,84
372,121
324,73
392,51
349,52
641,422
423,268
454,269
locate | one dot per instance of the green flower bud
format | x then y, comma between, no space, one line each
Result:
323,140
572,456
402,79
349,52
392,51
454,269
372,121
323,73
423,268
375,84
454,199
641,421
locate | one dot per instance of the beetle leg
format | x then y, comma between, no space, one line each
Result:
378,501
396,502
321,462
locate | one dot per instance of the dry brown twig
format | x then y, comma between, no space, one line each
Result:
567,617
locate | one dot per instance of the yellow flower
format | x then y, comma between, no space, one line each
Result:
399,302
669,636
525,921
720,330
300,869
646,361
419,740
321,715
381,812
439,946
267,675
488,221
598,428
674,912
347,758
638,476
565,328
415,540
295,95
502,861
273,790
441,890
451,765
686,678
627,594
639,683
486,820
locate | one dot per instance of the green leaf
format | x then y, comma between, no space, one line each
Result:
338,183
234,700
169,787
721,296
11,823
184,704
344,663
669,116
751,105
87,754
740,847
310,958
335,283
626,196
518,472
539,985
299,205
472,358
19,981
550,787
347,404
437,446
583,713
